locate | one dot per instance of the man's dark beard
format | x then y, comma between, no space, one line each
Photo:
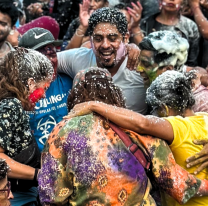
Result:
108,66
3,39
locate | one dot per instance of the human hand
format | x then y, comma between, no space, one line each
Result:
135,13
204,3
35,9
200,157
133,52
79,110
84,14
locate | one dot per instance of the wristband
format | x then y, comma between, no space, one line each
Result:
36,174
79,35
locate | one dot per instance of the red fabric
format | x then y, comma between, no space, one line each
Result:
36,95
45,22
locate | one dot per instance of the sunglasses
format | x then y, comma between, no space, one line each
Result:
8,188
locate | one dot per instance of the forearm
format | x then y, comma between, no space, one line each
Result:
201,21
137,35
18,170
122,117
203,189
170,177
76,40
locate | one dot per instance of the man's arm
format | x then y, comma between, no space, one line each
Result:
170,177
200,19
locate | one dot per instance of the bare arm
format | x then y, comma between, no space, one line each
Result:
76,40
170,177
128,119
136,14
18,170
200,19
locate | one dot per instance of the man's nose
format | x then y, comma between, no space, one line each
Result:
106,43
10,195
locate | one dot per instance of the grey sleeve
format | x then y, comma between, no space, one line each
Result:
65,62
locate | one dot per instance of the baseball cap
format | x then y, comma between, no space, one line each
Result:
38,37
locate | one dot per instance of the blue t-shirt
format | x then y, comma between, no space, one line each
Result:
49,111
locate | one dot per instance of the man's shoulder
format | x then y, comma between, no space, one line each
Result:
78,52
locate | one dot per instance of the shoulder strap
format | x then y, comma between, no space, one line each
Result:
132,147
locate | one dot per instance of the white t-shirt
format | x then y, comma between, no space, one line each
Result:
72,61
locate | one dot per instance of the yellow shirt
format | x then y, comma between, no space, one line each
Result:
185,131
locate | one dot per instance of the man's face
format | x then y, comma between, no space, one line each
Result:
5,26
108,45
147,67
50,52
5,194
97,4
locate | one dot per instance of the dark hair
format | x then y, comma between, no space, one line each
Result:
120,6
96,87
108,15
8,7
146,44
4,168
17,67
173,89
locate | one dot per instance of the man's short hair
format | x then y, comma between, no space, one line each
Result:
108,15
8,7
4,169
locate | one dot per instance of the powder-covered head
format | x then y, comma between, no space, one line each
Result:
108,15
173,89
95,84
169,48
17,67
4,169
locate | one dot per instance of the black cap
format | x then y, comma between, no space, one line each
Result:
38,37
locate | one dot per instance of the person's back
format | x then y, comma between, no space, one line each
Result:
94,159
186,130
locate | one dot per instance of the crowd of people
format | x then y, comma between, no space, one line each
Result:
103,102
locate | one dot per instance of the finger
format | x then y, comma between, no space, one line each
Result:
139,5
193,158
201,167
131,10
135,7
200,142
80,8
198,161
129,63
133,15
134,60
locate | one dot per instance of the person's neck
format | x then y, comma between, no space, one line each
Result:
114,69
187,113
168,18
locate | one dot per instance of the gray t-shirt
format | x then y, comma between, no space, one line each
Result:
72,61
